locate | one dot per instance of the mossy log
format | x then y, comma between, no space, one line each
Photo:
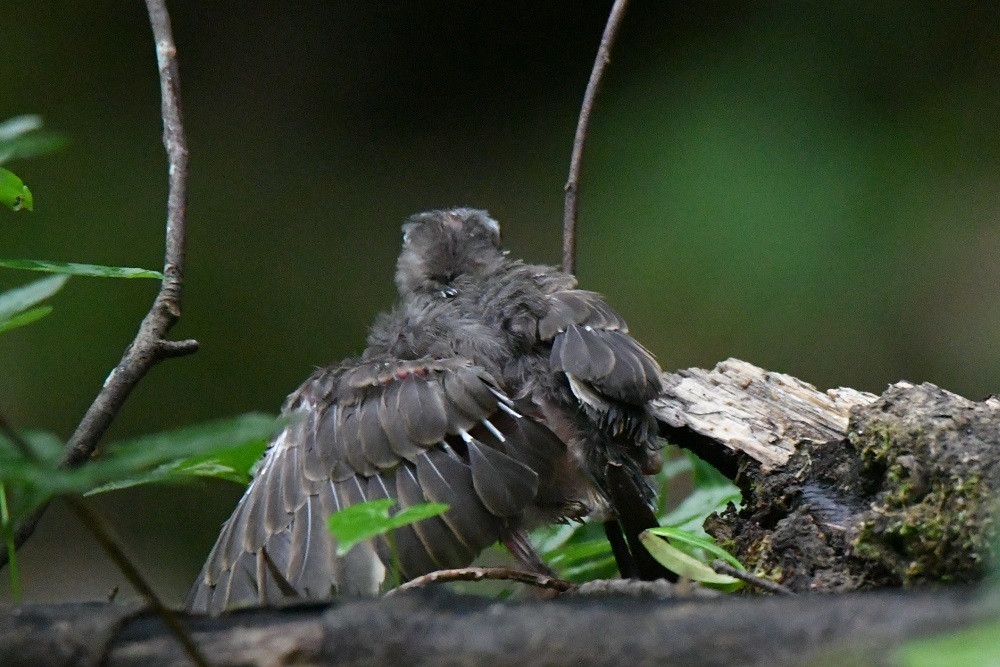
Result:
844,490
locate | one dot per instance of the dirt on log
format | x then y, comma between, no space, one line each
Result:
843,490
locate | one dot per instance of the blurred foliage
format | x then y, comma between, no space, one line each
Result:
19,306
977,646
21,137
224,448
809,187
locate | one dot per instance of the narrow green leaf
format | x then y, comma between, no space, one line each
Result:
25,318
232,465
22,137
14,194
683,536
19,299
677,561
90,270
16,126
198,440
360,522
137,461
32,145
584,561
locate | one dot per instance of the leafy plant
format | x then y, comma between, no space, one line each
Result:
31,473
195,451
360,522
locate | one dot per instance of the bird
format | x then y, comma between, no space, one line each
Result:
493,385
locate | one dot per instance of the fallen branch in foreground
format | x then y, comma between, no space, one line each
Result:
419,628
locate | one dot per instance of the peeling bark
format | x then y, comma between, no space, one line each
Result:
844,490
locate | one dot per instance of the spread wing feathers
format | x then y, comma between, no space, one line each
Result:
413,431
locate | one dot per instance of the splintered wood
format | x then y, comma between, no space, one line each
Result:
753,411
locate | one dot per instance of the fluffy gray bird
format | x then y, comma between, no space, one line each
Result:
494,386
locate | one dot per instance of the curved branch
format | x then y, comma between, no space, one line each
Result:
481,573
582,125
149,346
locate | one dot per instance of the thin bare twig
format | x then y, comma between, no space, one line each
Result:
150,345
722,567
102,532
582,125
481,573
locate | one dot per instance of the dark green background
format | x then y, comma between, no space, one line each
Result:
811,187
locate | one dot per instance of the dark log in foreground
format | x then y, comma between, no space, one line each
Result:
443,629
844,490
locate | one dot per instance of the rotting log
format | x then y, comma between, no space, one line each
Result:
844,490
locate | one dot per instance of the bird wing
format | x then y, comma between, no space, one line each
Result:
613,377
591,344
428,430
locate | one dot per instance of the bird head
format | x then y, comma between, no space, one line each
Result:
441,246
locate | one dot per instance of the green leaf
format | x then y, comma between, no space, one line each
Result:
360,522
583,561
17,126
21,137
25,318
14,194
15,301
140,461
199,440
687,538
677,561
975,646
233,465
91,270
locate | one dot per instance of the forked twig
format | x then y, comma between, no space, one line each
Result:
150,345
481,573
583,124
